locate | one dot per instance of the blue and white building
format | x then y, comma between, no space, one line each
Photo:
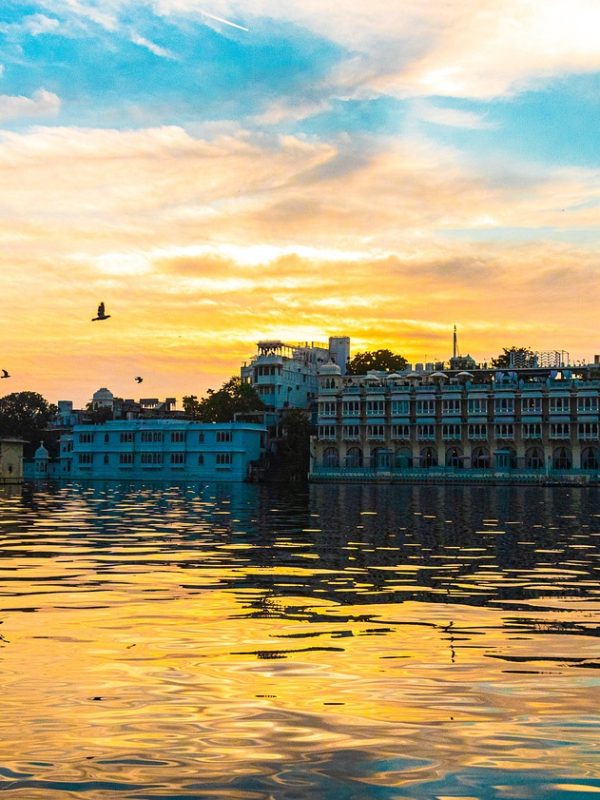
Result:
286,375
161,449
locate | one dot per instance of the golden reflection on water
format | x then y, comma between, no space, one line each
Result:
152,649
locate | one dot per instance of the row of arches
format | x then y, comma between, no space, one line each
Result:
481,458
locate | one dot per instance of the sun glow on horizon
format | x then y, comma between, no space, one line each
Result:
320,188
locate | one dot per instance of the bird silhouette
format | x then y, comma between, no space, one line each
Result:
4,374
138,379
101,314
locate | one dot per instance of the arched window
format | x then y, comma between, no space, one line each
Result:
354,457
428,457
380,458
480,458
590,458
561,458
331,457
534,458
403,458
454,457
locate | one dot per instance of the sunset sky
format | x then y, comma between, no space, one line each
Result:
222,172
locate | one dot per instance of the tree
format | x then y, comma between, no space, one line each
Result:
27,415
291,460
514,357
220,406
384,360
191,406
98,414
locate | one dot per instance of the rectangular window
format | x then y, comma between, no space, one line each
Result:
146,436
451,431
587,405
157,436
86,438
478,405
351,408
375,408
177,458
560,405
126,458
560,430
376,431
505,430
400,407
532,430
224,459
126,436
151,458
587,431
531,405
478,430
86,458
425,431
327,408
201,437
451,407
351,432
224,436
326,431
178,436
200,458
504,405
426,408
401,432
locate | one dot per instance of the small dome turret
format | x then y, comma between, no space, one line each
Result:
41,452
330,368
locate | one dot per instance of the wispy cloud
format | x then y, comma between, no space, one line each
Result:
37,24
161,52
41,104
450,117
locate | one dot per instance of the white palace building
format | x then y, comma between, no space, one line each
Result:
528,422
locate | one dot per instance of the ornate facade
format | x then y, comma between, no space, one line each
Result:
530,421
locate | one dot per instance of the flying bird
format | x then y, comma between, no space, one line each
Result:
101,314
4,374
138,379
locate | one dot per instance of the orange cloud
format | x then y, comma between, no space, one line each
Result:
201,247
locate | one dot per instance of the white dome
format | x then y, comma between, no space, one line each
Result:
330,368
103,394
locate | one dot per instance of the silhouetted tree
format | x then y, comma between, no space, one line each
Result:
27,415
98,414
514,357
191,406
221,405
385,360
291,459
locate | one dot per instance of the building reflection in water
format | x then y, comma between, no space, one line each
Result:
346,641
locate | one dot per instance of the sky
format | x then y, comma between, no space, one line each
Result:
223,172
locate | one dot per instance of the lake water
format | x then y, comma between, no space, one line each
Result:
345,642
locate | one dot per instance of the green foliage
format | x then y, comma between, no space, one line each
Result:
291,460
220,406
514,357
385,360
27,415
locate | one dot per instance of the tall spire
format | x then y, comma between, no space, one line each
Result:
454,344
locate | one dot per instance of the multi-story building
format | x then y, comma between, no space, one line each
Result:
531,421
286,375
161,449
